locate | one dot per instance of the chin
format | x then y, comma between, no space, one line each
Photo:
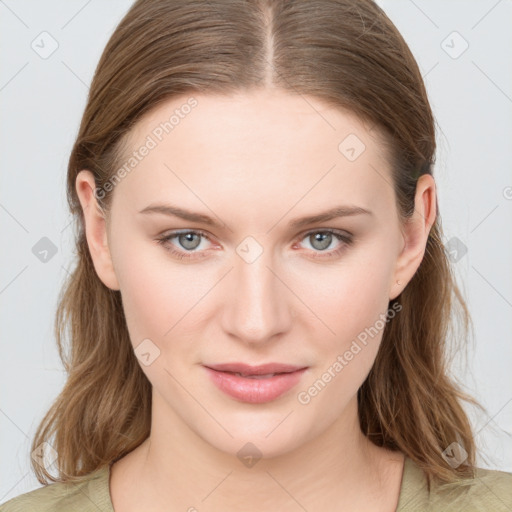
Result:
258,438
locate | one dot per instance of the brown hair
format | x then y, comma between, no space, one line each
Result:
344,52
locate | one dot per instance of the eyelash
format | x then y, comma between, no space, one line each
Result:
346,239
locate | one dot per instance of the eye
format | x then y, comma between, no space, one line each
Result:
321,240
187,242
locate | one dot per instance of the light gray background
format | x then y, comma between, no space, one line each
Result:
42,100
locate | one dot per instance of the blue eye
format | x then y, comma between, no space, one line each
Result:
187,239
324,238
190,240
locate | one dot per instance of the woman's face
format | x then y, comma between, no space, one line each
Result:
248,281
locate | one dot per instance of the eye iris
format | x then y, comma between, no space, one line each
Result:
323,238
186,242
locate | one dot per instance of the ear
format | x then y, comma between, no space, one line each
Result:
96,229
415,234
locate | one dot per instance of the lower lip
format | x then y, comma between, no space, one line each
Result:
255,391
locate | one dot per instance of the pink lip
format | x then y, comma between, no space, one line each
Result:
255,390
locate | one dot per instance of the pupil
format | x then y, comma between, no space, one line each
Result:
188,242
324,239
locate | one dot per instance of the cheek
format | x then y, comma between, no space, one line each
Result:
353,305
162,300
151,290
351,301
346,298
158,302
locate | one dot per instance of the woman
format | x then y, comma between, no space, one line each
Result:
259,312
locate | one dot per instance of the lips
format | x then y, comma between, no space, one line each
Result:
255,384
246,370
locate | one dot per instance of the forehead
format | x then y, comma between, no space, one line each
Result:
266,145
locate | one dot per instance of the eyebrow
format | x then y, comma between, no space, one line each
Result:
332,213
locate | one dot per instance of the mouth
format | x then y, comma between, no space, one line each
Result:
247,370
255,384
265,376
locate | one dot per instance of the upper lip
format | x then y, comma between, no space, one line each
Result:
263,369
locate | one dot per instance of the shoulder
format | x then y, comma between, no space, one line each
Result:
91,494
489,490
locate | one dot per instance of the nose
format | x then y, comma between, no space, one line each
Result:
258,305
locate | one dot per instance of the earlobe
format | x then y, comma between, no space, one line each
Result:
96,229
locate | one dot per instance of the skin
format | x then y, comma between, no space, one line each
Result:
254,162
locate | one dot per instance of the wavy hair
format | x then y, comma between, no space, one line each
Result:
350,55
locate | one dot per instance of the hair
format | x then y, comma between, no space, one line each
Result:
350,55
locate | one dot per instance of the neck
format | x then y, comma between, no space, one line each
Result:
339,469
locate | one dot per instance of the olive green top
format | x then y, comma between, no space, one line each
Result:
490,490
